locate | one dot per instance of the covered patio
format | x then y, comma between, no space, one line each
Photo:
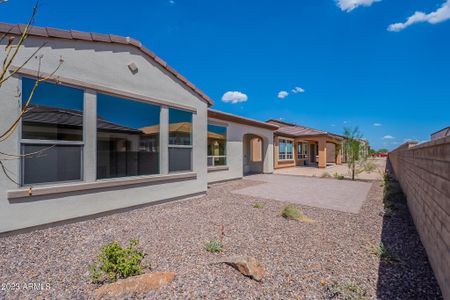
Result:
297,145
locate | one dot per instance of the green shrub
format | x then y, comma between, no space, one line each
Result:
116,262
257,205
292,212
214,246
338,176
383,253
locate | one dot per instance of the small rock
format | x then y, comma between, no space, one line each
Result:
248,266
136,284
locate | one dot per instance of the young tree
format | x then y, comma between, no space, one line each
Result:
13,43
353,148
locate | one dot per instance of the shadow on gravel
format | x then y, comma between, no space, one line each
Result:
404,271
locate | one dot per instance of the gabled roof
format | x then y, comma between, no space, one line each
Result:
48,32
294,130
241,120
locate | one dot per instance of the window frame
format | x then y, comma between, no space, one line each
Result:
225,148
23,141
286,156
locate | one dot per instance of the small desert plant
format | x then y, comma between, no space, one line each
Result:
348,290
338,176
116,262
325,175
392,192
257,205
292,212
383,253
214,246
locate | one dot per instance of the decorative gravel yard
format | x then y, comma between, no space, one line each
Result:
334,256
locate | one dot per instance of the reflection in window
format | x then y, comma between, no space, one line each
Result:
285,149
180,140
52,133
217,144
127,137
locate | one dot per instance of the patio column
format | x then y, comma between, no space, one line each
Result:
322,153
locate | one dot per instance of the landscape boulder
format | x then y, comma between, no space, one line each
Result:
134,285
248,266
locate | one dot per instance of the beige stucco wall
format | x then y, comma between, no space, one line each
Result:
105,65
424,174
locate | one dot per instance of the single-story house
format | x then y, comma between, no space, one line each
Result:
296,145
115,127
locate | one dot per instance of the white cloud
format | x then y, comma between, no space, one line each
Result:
171,1
377,124
388,137
349,5
440,15
234,97
282,94
297,90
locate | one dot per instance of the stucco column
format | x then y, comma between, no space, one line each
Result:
322,153
164,140
90,136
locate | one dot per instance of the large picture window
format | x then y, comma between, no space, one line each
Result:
127,137
52,133
180,140
285,149
217,144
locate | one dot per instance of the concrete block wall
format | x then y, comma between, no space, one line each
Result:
424,174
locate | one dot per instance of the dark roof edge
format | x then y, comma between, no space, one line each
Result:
18,29
238,119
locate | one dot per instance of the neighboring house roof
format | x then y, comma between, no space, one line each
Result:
184,127
40,114
294,130
48,32
444,132
215,114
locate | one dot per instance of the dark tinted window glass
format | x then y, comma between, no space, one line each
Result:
180,127
127,137
180,159
217,144
51,163
54,113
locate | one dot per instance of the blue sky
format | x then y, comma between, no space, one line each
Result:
354,71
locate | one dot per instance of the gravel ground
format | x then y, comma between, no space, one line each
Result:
319,260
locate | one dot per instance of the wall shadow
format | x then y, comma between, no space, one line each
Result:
404,271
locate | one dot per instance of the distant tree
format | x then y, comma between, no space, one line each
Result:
13,43
383,150
356,158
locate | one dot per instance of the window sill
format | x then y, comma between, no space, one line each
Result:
99,184
218,168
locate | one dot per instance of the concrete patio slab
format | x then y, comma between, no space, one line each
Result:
341,195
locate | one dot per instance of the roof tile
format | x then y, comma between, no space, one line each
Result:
78,35
58,33
101,37
118,39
